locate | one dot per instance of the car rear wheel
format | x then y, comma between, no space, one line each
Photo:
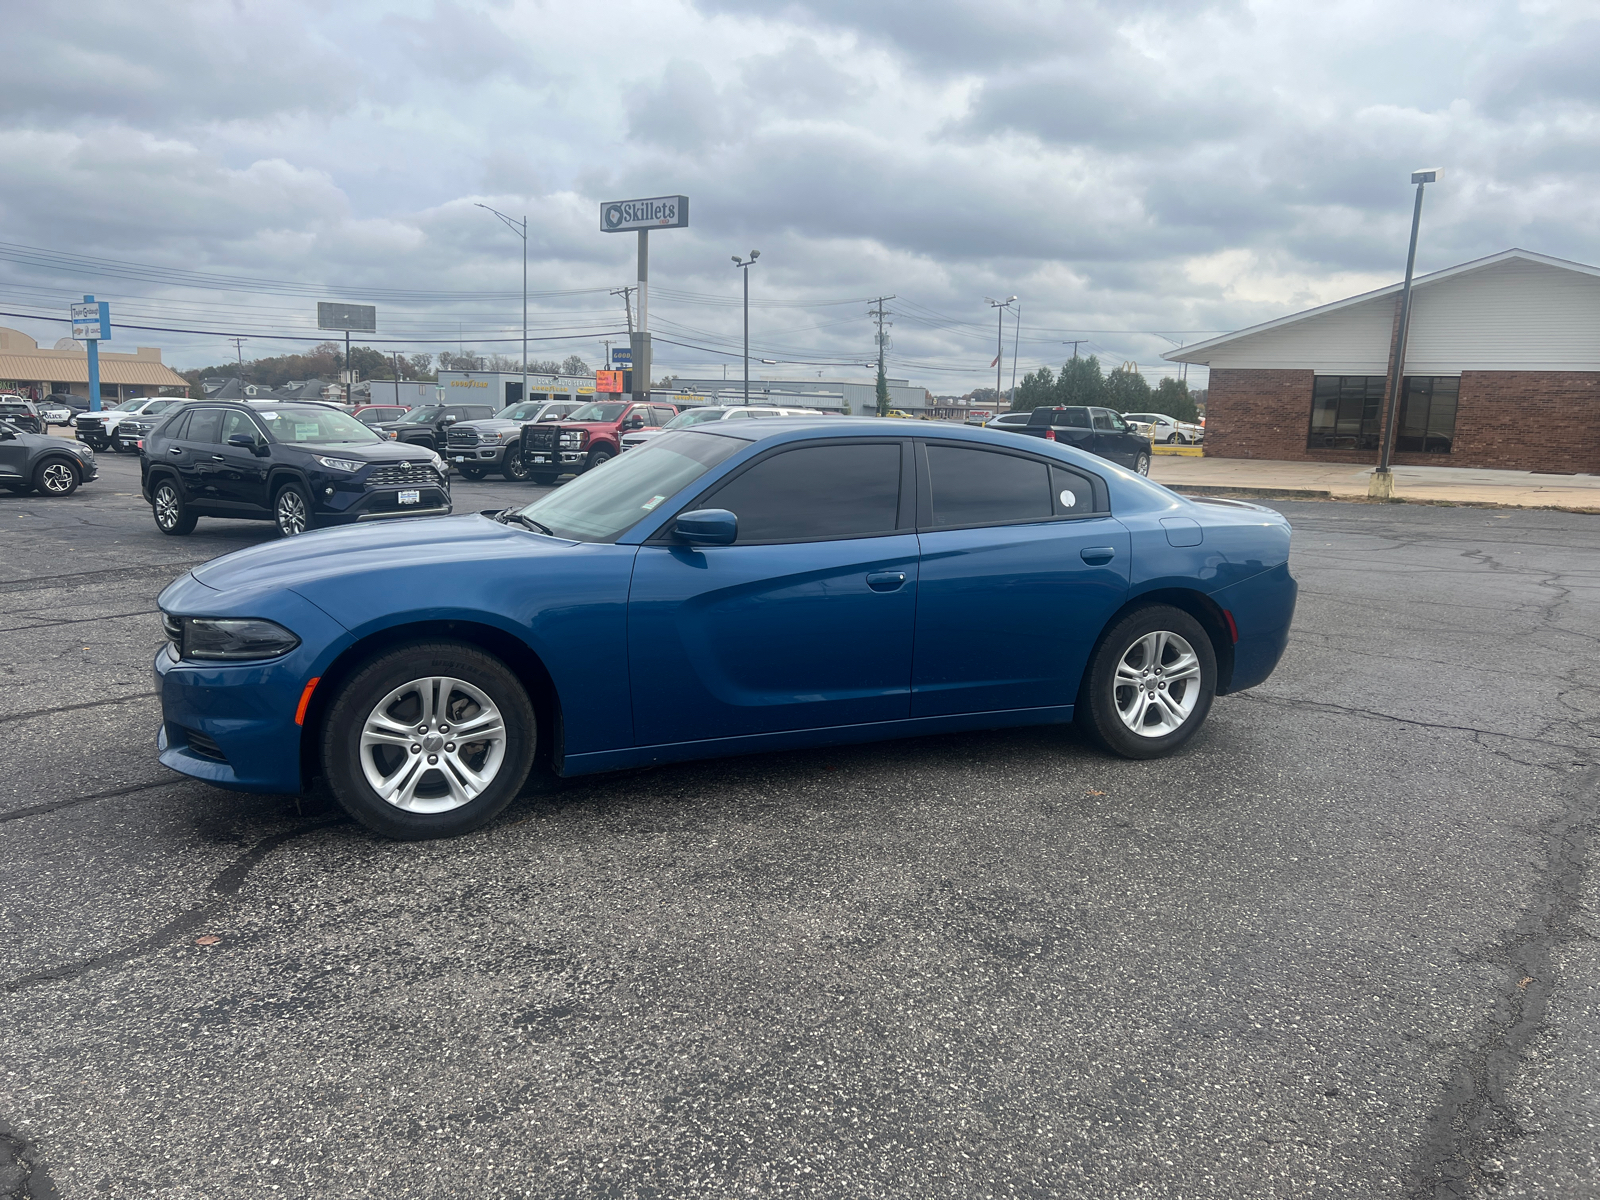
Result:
1150,683
1178,439
512,467
171,513
56,477
429,741
597,458
291,510
1142,463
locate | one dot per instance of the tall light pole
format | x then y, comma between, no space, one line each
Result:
744,265
521,230
1381,485
999,307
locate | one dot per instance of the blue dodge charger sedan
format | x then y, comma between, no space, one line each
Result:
737,587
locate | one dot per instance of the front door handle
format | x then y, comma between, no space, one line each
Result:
174,450
886,581
1096,555
218,458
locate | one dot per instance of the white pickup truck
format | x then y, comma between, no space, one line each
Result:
99,429
1165,430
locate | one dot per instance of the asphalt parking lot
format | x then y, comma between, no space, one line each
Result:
1343,945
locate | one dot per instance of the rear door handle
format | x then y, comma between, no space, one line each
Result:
218,458
886,581
1096,555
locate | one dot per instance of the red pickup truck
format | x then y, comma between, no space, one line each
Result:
590,436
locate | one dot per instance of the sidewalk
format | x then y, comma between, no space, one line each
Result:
1266,479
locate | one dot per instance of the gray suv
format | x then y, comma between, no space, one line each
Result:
52,466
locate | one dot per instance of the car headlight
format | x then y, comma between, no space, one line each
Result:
394,433
339,464
573,439
83,451
213,639
510,435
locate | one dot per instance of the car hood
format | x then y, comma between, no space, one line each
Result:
492,425
367,452
47,440
302,562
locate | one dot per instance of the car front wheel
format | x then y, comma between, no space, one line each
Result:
429,740
1150,683
1142,463
56,477
512,467
171,513
597,458
291,510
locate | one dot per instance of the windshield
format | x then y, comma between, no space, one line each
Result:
127,406
520,412
693,416
159,406
323,426
601,505
421,416
598,412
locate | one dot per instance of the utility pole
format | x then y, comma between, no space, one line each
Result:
999,307
520,228
238,344
1016,340
1075,345
627,308
744,265
883,379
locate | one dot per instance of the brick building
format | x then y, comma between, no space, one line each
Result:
1502,370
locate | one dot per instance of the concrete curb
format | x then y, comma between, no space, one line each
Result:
1266,493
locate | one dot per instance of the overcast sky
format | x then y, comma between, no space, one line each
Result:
1127,170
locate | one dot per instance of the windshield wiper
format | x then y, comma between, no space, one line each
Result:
507,515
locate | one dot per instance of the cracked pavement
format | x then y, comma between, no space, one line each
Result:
1343,945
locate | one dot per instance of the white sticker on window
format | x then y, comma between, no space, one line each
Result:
305,433
1068,500
653,501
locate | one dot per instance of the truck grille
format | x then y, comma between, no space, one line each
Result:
406,474
90,424
540,437
466,438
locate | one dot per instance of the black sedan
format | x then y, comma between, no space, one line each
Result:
297,465
51,466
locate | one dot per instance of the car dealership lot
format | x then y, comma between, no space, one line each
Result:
1291,960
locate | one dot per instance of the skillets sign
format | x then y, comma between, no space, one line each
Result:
658,212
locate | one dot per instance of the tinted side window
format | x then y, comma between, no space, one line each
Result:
1072,493
663,415
204,426
237,422
816,492
1102,421
982,487
176,428
1073,418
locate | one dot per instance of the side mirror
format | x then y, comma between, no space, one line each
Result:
7,434
242,440
450,420
707,527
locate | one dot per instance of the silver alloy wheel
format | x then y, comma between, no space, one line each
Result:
1157,684
432,745
166,506
1142,464
291,512
56,477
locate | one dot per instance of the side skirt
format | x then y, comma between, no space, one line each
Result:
797,739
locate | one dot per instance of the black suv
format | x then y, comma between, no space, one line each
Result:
1097,430
52,466
21,413
428,425
298,465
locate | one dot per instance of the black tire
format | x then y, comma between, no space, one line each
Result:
544,478
511,466
473,472
1178,439
1142,463
1098,711
291,510
597,458
347,772
170,510
56,477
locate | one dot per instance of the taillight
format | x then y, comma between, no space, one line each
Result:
1049,435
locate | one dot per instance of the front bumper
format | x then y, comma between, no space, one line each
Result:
491,455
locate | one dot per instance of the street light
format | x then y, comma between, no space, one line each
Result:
522,232
999,307
1381,485
744,266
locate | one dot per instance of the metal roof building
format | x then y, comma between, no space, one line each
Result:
25,368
